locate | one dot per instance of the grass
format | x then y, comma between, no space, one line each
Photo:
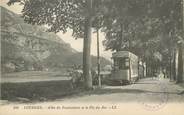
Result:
31,76
37,91
31,73
33,86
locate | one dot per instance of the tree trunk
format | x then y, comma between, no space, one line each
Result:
170,68
180,52
87,49
143,70
180,64
138,68
146,68
174,66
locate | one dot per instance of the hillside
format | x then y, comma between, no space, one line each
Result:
26,47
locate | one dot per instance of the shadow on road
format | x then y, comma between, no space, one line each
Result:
144,83
133,91
108,91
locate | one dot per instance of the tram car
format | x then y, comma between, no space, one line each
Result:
125,68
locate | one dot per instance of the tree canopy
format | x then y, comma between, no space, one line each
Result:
140,25
144,27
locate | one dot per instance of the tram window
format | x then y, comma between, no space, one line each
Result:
123,63
116,64
126,63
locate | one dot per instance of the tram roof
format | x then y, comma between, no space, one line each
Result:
123,54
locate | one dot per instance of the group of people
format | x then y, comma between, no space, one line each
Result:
161,74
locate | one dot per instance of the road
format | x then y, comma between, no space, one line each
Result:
145,96
145,90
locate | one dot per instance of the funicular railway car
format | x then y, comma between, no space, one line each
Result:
125,68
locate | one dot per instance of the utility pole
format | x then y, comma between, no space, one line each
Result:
98,58
170,58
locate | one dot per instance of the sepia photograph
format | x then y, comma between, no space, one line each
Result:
66,57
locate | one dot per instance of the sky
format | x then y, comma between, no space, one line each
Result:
67,37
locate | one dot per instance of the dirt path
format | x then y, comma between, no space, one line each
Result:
145,90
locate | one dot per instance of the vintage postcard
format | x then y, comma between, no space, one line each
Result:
94,57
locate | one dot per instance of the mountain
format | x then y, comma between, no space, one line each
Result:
27,47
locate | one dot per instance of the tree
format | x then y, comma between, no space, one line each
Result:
136,25
61,15
180,63
180,49
152,26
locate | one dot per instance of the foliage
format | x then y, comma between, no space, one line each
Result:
143,26
137,24
58,15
